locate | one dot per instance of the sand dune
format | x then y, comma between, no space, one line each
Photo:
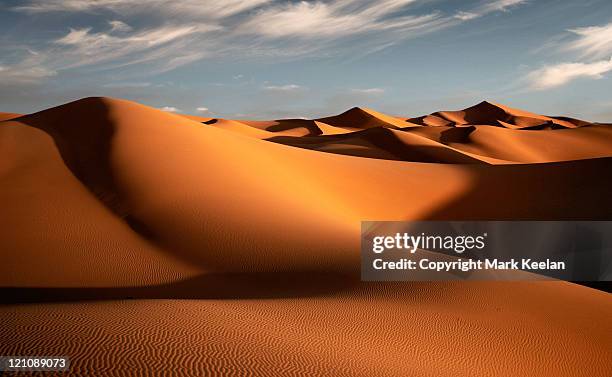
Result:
362,118
7,116
251,236
299,127
497,115
507,145
478,134
385,329
382,143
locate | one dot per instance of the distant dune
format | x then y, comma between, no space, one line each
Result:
249,232
7,116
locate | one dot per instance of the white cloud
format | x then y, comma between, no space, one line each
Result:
592,46
36,6
254,28
501,5
488,7
180,61
194,8
282,88
203,28
170,109
560,74
30,69
25,74
332,19
593,42
74,37
146,38
465,16
202,110
224,8
84,47
117,25
369,91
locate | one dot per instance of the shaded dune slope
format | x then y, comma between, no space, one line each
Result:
381,143
297,127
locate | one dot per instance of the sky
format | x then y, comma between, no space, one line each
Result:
266,59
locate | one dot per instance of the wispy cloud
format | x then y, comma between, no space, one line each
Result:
592,46
560,74
117,25
369,91
592,42
202,110
164,45
261,28
488,7
332,19
36,6
283,88
194,8
501,5
29,69
180,32
465,16
83,38
170,109
191,29
25,74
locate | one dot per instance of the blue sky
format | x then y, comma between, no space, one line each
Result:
264,59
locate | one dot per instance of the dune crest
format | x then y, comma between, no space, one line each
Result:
363,118
487,133
493,114
7,116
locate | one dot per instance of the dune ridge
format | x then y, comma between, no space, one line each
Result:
7,116
477,134
200,245
363,118
494,114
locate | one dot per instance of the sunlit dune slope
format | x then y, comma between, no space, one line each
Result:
384,329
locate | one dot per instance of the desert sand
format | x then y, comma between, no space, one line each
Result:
136,241
7,116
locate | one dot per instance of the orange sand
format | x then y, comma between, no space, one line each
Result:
250,235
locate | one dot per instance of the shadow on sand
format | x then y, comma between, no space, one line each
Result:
212,286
